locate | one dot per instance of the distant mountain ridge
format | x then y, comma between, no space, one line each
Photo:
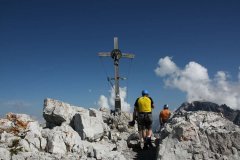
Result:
229,113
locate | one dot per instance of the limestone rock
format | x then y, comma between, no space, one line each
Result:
44,156
133,140
6,125
199,135
95,113
56,112
223,110
15,123
25,146
19,117
34,138
104,150
89,128
4,154
104,135
62,139
9,139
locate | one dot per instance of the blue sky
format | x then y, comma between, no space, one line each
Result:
49,49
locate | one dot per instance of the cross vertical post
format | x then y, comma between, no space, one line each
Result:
116,54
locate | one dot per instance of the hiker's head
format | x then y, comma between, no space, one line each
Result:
165,106
145,92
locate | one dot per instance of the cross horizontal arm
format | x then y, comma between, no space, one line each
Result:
108,54
104,54
128,55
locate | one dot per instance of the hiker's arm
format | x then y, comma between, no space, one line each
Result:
160,120
152,103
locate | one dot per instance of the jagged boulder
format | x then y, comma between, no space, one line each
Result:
89,128
62,139
33,140
56,112
15,123
133,140
102,150
199,135
21,133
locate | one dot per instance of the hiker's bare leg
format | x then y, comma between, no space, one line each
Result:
149,133
141,138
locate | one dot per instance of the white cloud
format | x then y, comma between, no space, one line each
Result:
166,67
195,82
110,101
195,72
123,94
103,102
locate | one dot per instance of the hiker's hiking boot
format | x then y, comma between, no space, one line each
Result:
131,123
157,141
145,147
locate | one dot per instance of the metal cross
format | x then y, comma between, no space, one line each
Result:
116,55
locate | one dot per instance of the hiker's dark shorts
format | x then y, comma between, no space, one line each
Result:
144,120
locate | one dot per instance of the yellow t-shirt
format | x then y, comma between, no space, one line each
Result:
144,104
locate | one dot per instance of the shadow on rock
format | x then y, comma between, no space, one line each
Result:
146,154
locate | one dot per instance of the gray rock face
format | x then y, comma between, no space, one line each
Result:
62,139
4,154
226,111
71,133
56,112
200,135
34,138
76,133
88,127
44,156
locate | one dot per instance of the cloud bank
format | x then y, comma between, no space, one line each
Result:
21,106
15,104
109,102
195,82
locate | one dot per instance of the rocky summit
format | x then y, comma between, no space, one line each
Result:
199,135
70,132
196,131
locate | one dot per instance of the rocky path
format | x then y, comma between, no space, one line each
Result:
149,154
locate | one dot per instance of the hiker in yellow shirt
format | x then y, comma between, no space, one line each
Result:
143,107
